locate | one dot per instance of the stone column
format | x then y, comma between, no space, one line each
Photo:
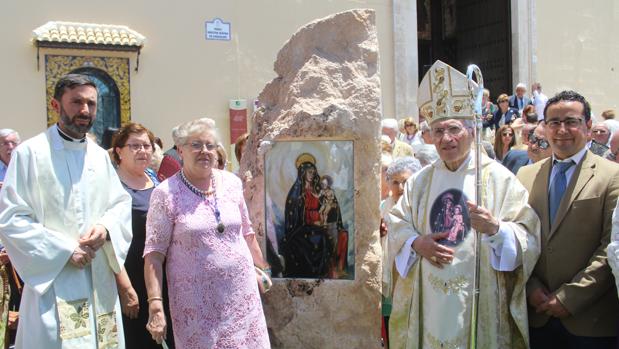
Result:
523,43
405,58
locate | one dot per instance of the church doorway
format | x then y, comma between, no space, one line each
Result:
461,32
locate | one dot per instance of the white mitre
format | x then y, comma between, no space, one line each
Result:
445,93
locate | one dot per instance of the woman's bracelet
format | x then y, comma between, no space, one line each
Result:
149,299
267,270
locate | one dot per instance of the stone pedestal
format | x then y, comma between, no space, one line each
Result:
327,88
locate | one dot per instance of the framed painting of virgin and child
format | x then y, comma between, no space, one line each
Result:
309,198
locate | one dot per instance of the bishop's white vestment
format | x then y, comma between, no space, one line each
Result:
432,306
54,192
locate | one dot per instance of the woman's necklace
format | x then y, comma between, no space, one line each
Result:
204,195
135,182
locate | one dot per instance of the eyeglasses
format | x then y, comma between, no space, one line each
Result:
569,123
599,132
541,143
438,133
136,147
9,143
198,146
507,134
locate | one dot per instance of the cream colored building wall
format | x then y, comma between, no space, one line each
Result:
182,76
577,48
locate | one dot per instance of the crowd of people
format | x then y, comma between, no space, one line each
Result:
127,246
169,232
548,192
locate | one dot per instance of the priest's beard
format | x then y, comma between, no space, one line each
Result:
70,125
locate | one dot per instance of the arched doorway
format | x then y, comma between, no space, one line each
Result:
108,104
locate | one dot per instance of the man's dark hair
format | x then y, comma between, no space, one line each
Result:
71,81
570,96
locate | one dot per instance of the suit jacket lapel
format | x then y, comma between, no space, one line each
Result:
583,174
539,194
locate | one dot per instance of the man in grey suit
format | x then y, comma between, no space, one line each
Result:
572,299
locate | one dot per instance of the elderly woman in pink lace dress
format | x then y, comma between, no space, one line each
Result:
198,224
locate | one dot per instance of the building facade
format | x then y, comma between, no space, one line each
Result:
182,75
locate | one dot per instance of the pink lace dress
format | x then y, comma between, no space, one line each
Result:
214,297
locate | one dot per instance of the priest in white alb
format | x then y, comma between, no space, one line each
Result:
432,236
65,221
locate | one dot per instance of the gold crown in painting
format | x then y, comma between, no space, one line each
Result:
305,157
444,93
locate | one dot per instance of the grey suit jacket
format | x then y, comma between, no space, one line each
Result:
573,262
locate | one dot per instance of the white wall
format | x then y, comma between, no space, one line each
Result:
578,48
182,76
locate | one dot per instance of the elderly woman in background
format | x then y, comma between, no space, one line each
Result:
426,155
503,141
133,152
198,223
385,161
424,129
397,174
171,162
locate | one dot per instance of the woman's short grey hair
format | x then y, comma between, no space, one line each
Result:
5,132
385,160
175,135
196,127
426,154
407,163
612,125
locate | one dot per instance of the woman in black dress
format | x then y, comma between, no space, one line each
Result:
133,149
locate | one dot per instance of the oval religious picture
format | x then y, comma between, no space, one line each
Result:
449,214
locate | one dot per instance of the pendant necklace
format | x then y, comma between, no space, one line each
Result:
204,195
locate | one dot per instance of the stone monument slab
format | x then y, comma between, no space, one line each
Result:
320,117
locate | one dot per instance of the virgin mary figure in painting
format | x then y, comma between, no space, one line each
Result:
307,247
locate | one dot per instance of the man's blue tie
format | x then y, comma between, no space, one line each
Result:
557,188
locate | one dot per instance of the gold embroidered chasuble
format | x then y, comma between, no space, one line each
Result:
432,306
